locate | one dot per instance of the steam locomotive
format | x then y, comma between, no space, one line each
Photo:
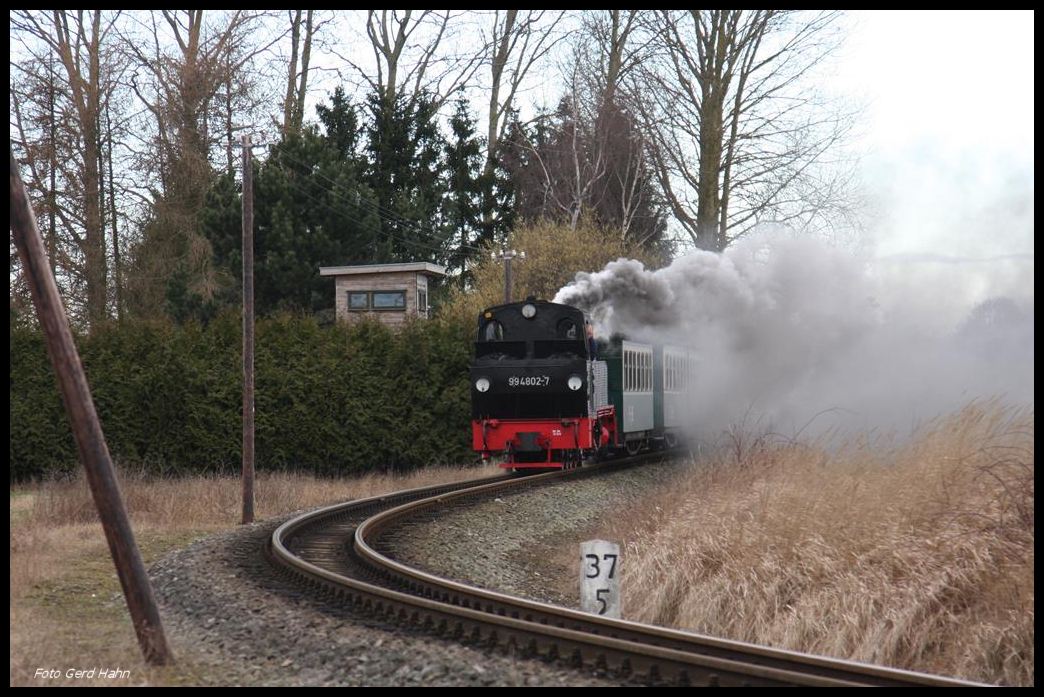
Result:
545,396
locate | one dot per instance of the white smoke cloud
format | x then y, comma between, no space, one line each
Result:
789,328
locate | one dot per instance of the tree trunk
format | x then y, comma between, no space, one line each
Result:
117,272
291,77
52,230
302,90
708,205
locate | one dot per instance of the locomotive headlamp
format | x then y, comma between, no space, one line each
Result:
575,382
529,310
482,384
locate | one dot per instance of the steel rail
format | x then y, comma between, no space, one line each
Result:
655,653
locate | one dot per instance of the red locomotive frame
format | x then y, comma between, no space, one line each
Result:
577,435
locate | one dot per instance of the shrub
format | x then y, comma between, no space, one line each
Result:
554,255
329,399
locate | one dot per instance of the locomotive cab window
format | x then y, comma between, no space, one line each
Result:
567,330
494,331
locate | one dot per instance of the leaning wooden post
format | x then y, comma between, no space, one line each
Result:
248,334
76,395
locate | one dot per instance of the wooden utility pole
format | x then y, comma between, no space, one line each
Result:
86,428
248,334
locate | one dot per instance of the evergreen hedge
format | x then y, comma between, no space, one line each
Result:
332,400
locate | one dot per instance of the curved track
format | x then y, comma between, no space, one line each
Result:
332,552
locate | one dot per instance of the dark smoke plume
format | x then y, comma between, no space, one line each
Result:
792,331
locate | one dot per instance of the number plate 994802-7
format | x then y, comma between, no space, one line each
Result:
529,381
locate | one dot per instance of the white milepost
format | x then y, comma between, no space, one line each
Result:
600,578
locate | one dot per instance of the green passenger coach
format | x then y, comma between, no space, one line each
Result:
650,387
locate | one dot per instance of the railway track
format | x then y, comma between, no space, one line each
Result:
334,553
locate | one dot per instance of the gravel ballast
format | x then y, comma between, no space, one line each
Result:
227,613
525,544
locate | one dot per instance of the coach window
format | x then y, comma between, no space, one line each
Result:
626,372
494,331
632,372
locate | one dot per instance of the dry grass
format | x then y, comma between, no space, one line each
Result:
67,610
215,500
917,556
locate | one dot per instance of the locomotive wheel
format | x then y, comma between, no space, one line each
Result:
670,440
570,459
599,454
633,447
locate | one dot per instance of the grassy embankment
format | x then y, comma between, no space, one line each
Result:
67,610
916,555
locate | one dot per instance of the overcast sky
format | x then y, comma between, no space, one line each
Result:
948,129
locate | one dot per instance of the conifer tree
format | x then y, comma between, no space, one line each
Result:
404,170
463,203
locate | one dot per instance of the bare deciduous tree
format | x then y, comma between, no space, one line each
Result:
742,135
411,56
76,40
184,60
572,165
297,78
187,63
518,42
592,152
614,46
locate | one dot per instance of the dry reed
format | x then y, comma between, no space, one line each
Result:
918,555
